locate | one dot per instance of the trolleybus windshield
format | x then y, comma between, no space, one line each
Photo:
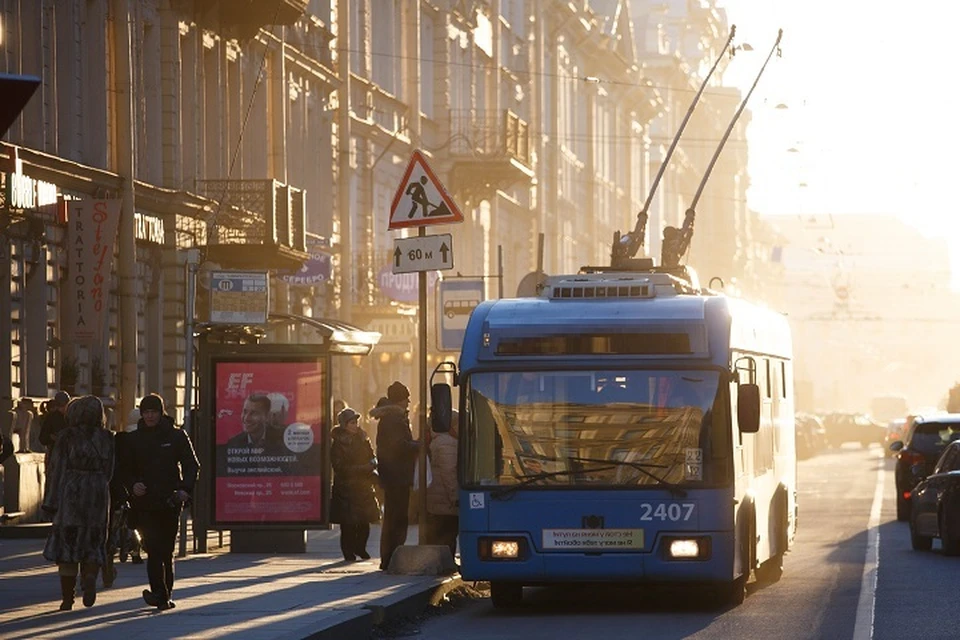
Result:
599,428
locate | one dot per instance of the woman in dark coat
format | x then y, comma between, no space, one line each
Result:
354,503
78,496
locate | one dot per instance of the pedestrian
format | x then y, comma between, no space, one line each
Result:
159,470
443,494
396,456
123,540
54,421
23,423
78,498
354,502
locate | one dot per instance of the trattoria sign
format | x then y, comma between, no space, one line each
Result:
91,234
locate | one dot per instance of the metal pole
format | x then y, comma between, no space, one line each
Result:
500,271
540,253
193,263
422,336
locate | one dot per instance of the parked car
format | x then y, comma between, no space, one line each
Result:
811,435
918,452
852,427
935,505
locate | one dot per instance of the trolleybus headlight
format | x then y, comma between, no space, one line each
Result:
502,548
687,548
684,549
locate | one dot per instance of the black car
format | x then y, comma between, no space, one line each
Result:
935,502
918,452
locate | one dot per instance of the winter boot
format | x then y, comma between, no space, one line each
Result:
90,585
67,586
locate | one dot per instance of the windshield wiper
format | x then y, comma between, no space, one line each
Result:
526,480
643,468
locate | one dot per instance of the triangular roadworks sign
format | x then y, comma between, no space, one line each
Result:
421,199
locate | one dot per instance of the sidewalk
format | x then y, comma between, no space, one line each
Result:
219,594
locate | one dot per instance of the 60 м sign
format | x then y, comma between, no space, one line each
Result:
423,253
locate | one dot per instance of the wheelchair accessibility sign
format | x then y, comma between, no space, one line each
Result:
456,300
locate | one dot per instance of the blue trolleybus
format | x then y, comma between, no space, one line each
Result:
625,427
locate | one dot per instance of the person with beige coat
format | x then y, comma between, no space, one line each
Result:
443,494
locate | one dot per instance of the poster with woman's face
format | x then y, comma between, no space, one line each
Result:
267,430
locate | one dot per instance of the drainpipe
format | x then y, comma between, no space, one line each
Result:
127,268
344,180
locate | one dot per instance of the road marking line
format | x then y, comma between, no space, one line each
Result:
863,628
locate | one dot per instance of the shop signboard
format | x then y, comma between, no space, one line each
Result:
403,287
91,234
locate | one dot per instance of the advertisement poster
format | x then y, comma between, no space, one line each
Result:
268,437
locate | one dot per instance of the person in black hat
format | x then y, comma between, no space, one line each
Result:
397,456
159,471
55,421
353,503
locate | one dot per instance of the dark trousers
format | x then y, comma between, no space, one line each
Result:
443,529
396,502
159,531
353,540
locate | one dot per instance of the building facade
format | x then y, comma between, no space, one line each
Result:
272,136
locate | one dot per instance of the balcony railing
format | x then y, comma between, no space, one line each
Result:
490,135
256,212
248,16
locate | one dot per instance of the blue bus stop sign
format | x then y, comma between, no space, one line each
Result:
456,299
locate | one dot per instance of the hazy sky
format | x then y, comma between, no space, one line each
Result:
872,103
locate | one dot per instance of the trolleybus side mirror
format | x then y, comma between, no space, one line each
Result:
441,407
748,408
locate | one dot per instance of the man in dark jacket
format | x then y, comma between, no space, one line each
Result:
397,456
159,472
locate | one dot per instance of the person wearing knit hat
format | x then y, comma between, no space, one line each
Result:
152,402
353,500
159,474
397,455
398,392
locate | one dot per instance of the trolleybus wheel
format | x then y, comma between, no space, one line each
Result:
506,595
772,570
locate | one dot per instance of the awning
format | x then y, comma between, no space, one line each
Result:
340,337
16,92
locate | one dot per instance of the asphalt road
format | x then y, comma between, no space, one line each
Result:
848,576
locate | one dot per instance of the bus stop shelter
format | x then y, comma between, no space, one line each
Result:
263,428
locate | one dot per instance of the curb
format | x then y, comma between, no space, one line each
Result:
410,602
361,623
347,624
23,531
